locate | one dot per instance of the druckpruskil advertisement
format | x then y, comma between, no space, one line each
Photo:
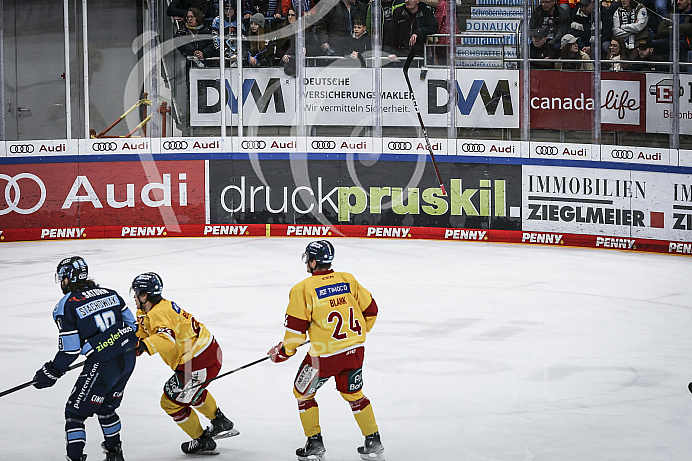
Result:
637,204
346,96
388,193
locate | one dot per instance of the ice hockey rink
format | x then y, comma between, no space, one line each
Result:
480,352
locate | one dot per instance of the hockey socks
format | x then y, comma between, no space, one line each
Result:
110,426
75,435
309,416
362,411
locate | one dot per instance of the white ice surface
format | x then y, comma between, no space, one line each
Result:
480,352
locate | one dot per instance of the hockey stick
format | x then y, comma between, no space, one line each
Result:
247,365
407,64
689,387
30,383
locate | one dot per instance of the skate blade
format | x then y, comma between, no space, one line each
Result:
204,453
372,456
226,434
312,458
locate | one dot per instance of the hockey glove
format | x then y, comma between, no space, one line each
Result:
278,353
141,348
46,376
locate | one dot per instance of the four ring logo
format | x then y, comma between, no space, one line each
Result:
323,144
399,145
13,185
21,148
546,150
174,145
104,146
472,147
255,144
622,154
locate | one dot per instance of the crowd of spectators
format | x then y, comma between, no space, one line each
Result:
637,32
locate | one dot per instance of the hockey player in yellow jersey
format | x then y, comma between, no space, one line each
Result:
192,352
336,312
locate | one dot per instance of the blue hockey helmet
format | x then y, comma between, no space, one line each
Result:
74,269
320,250
149,283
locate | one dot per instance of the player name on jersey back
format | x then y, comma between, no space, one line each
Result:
96,305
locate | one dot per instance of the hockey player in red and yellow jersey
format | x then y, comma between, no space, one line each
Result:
336,312
192,352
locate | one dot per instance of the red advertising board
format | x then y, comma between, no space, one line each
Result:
86,195
564,100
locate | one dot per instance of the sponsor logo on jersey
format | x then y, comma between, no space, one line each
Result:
97,305
225,230
389,232
63,233
534,237
94,292
149,231
463,234
307,230
97,399
606,242
333,290
113,338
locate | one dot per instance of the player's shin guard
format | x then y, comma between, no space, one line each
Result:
362,411
309,416
110,426
75,436
183,417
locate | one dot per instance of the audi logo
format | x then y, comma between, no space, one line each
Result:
21,148
256,144
623,154
323,144
399,145
174,145
472,147
546,150
104,146
13,185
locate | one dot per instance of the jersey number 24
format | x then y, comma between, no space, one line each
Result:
353,324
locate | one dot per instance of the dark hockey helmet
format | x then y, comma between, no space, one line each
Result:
320,250
74,268
149,283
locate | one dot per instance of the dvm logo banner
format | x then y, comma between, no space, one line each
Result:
346,97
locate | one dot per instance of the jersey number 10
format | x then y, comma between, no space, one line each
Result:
104,320
353,324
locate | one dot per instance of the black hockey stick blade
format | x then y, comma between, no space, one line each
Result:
407,65
31,383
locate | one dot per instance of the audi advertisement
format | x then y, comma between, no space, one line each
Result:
91,194
621,203
364,192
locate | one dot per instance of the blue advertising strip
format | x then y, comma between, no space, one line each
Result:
343,156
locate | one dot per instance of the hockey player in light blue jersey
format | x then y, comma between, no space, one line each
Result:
95,322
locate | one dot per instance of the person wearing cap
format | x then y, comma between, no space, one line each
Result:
334,29
643,52
257,52
541,49
570,52
629,22
552,20
583,25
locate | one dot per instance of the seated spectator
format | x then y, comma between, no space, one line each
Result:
230,33
334,29
616,52
360,41
584,29
409,30
177,9
570,51
644,52
196,38
684,8
629,22
541,49
257,52
553,20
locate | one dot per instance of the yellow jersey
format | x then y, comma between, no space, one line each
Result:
333,309
173,333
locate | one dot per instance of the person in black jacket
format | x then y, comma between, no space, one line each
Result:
582,26
196,38
334,29
409,29
553,20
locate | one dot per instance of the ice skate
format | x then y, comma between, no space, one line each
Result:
202,445
114,454
81,458
372,449
221,427
313,450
